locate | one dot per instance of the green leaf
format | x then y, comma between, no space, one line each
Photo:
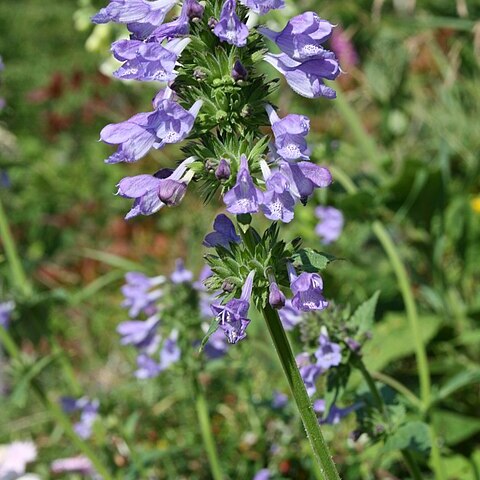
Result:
311,261
454,427
411,436
213,328
364,315
458,381
392,339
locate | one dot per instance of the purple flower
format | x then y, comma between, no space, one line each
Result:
168,123
280,400
148,62
304,178
224,233
222,172
6,309
229,28
138,296
344,48
141,16
205,273
309,372
306,78
329,354
302,37
331,223
232,315
239,72
289,315
80,464
335,414
217,345
146,189
178,27
276,298
263,474
181,274
170,352
139,333
263,6
290,133
146,367
278,202
244,197
88,414
307,290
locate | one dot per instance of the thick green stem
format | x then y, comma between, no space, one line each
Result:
206,431
304,405
55,410
19,279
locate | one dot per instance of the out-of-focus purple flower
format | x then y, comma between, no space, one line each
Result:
14,458
6,309
290,133
170,352
335,414
139,333
328,354
80,464
306,78
278,202
263,474
276,298
222,172
88,414
168,123
353,345
141,16
138,296
304,178
148,62
217,345
233,315
244,197
307,290
180,26
331,223
205,273
302,37
289,315
146,367
344,48
263,6
181,274
144,189
229,28
309,372
224,233
280,400
239,72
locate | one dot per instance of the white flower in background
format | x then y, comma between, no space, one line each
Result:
14,458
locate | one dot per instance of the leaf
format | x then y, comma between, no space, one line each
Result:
454,427
392,339
413,436
112,260
458,467
458,381
311,260
212,329
364,315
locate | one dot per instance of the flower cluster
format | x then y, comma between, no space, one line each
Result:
218,102
88,410
155,304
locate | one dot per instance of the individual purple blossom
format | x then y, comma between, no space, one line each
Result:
289,315
139,333
280,400
141,16
307,289
302,37
244,197
229,28
331,223
239,72
181,274
6,309
344,48
306,78
290,133
233,315
263,6
309,372
224,233
80,464
146,367
222,172
144,189
328,354
170,352
263,474
335,413
138,294
148,62
276,298
278,201
88,414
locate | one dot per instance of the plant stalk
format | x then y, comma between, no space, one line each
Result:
304,405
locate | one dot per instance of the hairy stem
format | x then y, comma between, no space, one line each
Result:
304,405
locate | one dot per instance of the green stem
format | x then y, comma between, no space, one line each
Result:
206,430
19,278
399,387
55,410
412,464
304,405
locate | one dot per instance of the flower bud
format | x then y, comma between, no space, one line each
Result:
276,298
195,10
171,192
212,22
222,172
239,72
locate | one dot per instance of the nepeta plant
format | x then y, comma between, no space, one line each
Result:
218,100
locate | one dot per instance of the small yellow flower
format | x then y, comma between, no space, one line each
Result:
475,204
